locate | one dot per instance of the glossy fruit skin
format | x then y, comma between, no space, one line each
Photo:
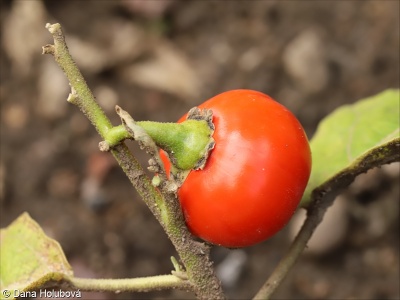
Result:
255,176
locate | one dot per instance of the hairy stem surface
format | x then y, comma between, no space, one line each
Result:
195,256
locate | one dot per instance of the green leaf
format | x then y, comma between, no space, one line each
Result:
355,138
29,258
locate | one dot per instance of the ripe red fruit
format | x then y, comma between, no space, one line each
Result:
255,176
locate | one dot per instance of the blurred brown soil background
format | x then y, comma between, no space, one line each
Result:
157,59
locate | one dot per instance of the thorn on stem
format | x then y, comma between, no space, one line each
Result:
153,166
48,49
52,28
156,181
104,146
73,97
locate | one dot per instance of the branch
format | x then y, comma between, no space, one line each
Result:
165,207
145,284
323,197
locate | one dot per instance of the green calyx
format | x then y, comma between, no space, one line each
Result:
187,143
